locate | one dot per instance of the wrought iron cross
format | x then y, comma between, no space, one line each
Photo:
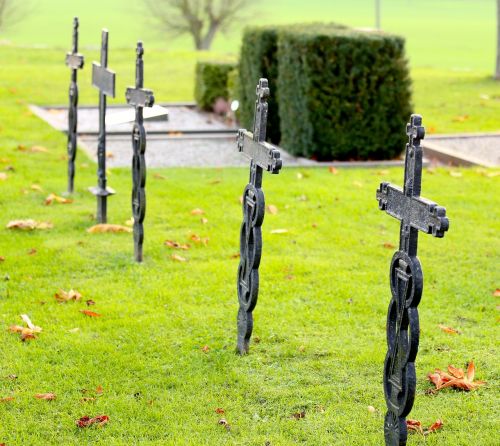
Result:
416,214
263,156
139,98
104,80
75,61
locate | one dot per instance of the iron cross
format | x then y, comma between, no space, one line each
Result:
75,61
104,80
263,156
139,98
416,214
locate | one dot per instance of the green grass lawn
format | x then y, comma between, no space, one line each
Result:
323,298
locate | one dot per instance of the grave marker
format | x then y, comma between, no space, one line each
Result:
104,80
139,98
263,156
416,214
75,61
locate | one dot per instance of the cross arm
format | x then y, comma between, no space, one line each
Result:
139,97
74,61
262,153
422,214
103,79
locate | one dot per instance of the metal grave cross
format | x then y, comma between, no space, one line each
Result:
104,80
416,214
263,156
75,61
139,98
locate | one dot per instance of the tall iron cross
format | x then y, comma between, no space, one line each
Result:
263,156
416,214
104,80
139,98
75,61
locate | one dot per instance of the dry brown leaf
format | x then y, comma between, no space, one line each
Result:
105,227
197,212
86,421
416,426
205,349
299,415
461,118
204,221
99,390
28,225
388,245
90,313
32,252
333,170
57,199
199,240
38,149
158,176
2,259
220,411
496,293
3,176
279,231
272,209
46,396
214,182
6,399
455,378
236,255
449,329
176,245
28,332
178,258
65,296
89,302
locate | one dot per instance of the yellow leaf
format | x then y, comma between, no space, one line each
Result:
55,198
178,258
279,231
105,227
197,212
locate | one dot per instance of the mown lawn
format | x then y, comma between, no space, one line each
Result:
321,315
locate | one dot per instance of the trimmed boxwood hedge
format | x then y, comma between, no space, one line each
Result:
211,83
343,93
258,59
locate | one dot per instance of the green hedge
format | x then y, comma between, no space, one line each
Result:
258,59
211,83
343,94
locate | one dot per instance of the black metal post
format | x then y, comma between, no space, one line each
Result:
262,156
406,279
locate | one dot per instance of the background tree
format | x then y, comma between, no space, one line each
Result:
202,19
11,11
497,71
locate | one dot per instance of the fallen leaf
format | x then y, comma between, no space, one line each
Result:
213,182
200,240
129,222
456,174
99,390
3,176
197,212
223,422
449,329
272,209
178,258
220,411
55,198
46,396
89,302
105,227
371,409
90,313
496,293
28,332
461,118
279,231
236,256
299,415
205,349
455,378
65,296
333,170
204,221
175,245
383,172
158,176
416,426
74,330
388,245
36,187
110,155
38,149
6,399
28,225
32,252
2,259
86,421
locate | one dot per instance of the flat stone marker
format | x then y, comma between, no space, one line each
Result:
263,156
416,214
139,97
104,80
75,61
